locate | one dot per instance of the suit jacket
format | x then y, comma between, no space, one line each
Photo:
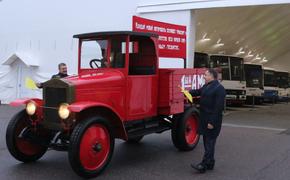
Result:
212,99
59,75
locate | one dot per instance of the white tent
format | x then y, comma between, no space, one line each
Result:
20,67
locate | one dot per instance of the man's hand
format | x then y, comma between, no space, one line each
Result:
209,126
39,85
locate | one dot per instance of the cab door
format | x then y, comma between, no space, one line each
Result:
142,87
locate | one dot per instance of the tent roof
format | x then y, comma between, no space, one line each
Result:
27,59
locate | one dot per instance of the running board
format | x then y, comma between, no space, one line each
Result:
147,131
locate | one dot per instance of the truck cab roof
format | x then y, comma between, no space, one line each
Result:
109,33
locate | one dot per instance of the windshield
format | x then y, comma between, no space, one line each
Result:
282,79
223,63
94,54
254,75
289,81
269,78
103,53
237,69
200,60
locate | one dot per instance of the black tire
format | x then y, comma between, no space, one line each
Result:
74,150
21,149
134,140
179,129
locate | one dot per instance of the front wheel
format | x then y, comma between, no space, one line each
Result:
19,147
91,147
184,131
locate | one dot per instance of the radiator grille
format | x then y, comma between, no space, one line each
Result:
53,97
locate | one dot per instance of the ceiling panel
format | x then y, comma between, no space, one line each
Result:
254,32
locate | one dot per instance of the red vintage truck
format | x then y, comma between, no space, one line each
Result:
119,92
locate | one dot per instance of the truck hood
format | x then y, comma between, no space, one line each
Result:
100,78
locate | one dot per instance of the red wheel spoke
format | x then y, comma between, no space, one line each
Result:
94,147
191,130
24,145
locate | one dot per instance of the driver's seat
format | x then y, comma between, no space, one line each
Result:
118,60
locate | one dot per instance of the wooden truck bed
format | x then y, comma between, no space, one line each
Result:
171,99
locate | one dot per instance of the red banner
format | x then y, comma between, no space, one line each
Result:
172,37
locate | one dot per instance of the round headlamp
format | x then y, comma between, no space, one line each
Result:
31,108
63,111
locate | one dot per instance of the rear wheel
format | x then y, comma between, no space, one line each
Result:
91,147
20,148
184,131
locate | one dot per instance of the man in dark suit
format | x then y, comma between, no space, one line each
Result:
212,98
62,72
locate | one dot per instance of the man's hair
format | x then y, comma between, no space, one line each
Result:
213,73
61,64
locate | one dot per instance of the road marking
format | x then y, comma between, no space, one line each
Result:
252,127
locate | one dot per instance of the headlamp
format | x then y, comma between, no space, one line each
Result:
63,111
31,108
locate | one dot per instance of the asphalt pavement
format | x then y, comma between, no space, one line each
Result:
254,144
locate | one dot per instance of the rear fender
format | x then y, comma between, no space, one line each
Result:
88,108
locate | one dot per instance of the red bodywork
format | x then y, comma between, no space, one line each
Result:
131,96
119,92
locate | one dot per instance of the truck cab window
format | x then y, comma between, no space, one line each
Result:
117,55
237,67
223,63
94,54
142,57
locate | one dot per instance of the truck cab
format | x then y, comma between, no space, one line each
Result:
131,72
119,92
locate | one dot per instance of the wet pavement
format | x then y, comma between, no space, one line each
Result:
254,144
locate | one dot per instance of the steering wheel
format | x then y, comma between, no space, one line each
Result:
94,63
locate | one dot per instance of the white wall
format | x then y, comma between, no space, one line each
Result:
45,28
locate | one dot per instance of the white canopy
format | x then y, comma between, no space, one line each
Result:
26,58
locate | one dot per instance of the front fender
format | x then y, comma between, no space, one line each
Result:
24,101
117,122
80,106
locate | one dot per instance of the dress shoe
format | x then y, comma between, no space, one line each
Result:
210,165
201,168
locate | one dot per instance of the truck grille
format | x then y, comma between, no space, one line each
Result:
55,92
235,92
53,98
